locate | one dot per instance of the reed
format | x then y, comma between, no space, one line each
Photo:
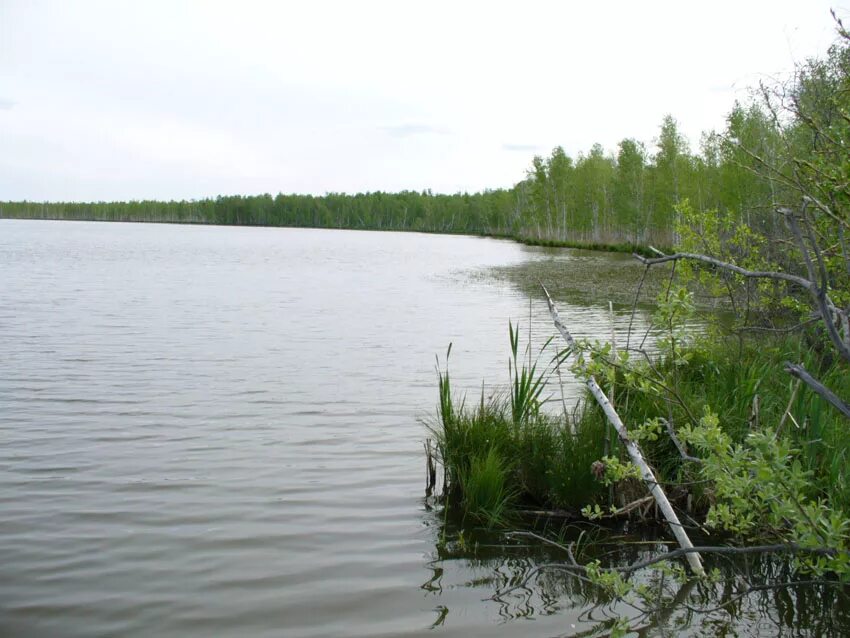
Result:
505,453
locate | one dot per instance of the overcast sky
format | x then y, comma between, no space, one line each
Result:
146,99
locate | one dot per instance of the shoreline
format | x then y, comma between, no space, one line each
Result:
595,246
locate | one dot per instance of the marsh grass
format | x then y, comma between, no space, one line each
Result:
526,384
504,453
484,483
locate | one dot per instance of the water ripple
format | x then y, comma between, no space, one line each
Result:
217,431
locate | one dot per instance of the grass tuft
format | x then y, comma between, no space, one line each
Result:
505,453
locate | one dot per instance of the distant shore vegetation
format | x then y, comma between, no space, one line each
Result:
597,199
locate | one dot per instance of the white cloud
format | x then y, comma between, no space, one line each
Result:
406,130
521,148
187,99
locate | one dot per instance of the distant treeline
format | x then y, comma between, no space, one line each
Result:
481,213
596,198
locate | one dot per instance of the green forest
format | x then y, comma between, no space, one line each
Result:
598,198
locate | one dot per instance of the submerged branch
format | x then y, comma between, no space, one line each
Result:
783,548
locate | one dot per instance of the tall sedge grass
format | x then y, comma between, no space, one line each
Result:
484,482
505,454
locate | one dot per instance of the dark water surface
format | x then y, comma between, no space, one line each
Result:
218,431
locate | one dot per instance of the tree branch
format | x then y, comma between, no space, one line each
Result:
819,296
633,450
758,274
797,371
679,445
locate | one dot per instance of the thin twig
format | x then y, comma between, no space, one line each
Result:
679,445
787,412
635,303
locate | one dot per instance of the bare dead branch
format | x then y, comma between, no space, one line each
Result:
819,296
757,274
632,449
797,371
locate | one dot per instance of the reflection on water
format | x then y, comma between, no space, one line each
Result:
510,573
218,431
212,431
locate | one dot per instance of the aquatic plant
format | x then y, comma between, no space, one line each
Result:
505,454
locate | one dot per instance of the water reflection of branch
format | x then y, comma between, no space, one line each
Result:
734,590
756,587
442,613
659,616
434,584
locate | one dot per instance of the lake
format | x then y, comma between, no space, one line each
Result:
218,430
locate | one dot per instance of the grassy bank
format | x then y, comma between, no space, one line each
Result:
509,453
614,246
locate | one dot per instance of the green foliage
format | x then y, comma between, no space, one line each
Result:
526,383
761,490
487,494
504,453
753,481
729,434
610,581
617,470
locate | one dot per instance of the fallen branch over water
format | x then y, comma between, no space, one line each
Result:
634,452
829,313
835,320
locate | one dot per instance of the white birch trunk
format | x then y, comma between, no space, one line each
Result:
634,452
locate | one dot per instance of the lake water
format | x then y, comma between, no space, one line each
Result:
218,431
